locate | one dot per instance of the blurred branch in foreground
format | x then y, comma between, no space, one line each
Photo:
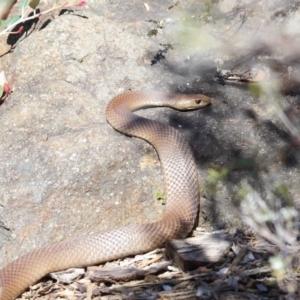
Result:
245,35
281,228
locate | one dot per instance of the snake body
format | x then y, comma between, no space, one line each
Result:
181,190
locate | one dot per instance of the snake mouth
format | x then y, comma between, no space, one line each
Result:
204,103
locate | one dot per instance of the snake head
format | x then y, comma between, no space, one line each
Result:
201,101
191,101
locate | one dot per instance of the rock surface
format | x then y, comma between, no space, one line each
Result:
65,172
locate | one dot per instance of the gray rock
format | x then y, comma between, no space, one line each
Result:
64,170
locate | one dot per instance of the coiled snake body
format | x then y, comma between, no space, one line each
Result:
181,190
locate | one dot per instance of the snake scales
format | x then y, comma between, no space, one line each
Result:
181,190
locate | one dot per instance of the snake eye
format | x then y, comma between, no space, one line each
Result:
198,101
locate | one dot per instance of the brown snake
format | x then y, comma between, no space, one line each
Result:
181,191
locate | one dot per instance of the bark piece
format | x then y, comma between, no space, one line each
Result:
198,251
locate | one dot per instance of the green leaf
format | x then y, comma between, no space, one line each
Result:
152,32
282,190
10,21
34,3
160,196
243,192
24,4
213,173
218,175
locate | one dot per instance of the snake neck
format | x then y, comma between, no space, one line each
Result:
178,165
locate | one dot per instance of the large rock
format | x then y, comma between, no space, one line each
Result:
64,171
